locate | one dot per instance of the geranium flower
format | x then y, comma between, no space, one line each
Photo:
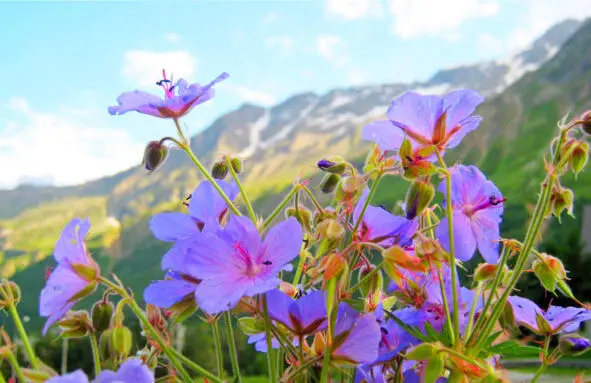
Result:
559,319
178,100
75,276
77,376
356,337
439,121
303,316
131,371
477,208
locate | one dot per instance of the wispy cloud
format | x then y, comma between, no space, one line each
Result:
145,67
433,17
63,149
354,9
173,37
251,95
333,49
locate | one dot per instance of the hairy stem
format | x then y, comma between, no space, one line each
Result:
242,191
218,348
15,367
95,354
232,346
270,362
281,206
372,191
23,334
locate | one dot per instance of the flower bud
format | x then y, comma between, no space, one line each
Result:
560,199
333,265
336,165
418,197
183,309
154,155
76,324
422,351
373,283
549,270
543,325
251,326
155,317
327,213
219,170
120,341
586,118
10,292
101,314
331,229
573,345
485,272
236,165
579,157
399,257
329,183
352,185
303,215
318,345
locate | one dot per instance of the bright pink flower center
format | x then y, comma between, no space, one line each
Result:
492,201
252,268
167,85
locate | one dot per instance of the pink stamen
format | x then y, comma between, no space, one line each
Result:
491,202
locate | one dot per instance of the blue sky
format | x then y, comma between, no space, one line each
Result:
64,63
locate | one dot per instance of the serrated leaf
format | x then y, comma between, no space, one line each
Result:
514,348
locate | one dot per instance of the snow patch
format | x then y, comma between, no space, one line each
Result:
434,89
255,130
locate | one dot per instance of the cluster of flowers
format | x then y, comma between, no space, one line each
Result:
337,311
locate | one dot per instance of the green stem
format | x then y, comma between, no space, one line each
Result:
539,373
270,363
95,354
2,380
326,364
242,191
301,368
23,334
232,346
366,277
544,364
532,234
466,358
281,206
448,317
195,367
452,255
473,310
17,369
313,199
187,149
300,269
218,348
64,364
372,191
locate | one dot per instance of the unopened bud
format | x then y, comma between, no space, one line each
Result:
418,197
329,183
101,314
236,164
120,341
9,293
155,317
319,344
352,184
573,345
183,309
561,199
422,351
373,283
400,257
219,170
303,215
76,324
335,165
154,155
485,272
331,229
579,157
326,213
333,264
586,118
549,270
251,326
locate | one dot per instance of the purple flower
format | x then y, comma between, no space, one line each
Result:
178,100
477,209
379,225
394,338
235,261
206,207
77,376
356,338
74,277
303,316
176,287
132,371
559,319
441,121
373,374
325,164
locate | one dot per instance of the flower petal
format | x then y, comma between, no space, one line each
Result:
485,225
220,294
464,240
207,205
171,227
362,342
168,292
282,243
384,133
70,246
77,376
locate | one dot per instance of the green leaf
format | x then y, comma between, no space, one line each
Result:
431,332
433,369
487,343
514,348
251,326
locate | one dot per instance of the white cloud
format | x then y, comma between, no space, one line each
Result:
356,77
173,37
247,94
490,44
542,14
432,17
61,148
354,9
284,45
333,49
270,17
145,67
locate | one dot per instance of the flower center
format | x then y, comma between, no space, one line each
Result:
492,201
167,85
252,268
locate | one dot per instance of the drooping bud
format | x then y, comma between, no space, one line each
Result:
586,118
154,155
251,326
331,229
76,324
418,197
579,157
236,164
219,170
10,293
120,341
335,165
350,188
485,272
560,199
155,317
329,183
303,215
549,270
573,345
422,351
101,314
320,216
